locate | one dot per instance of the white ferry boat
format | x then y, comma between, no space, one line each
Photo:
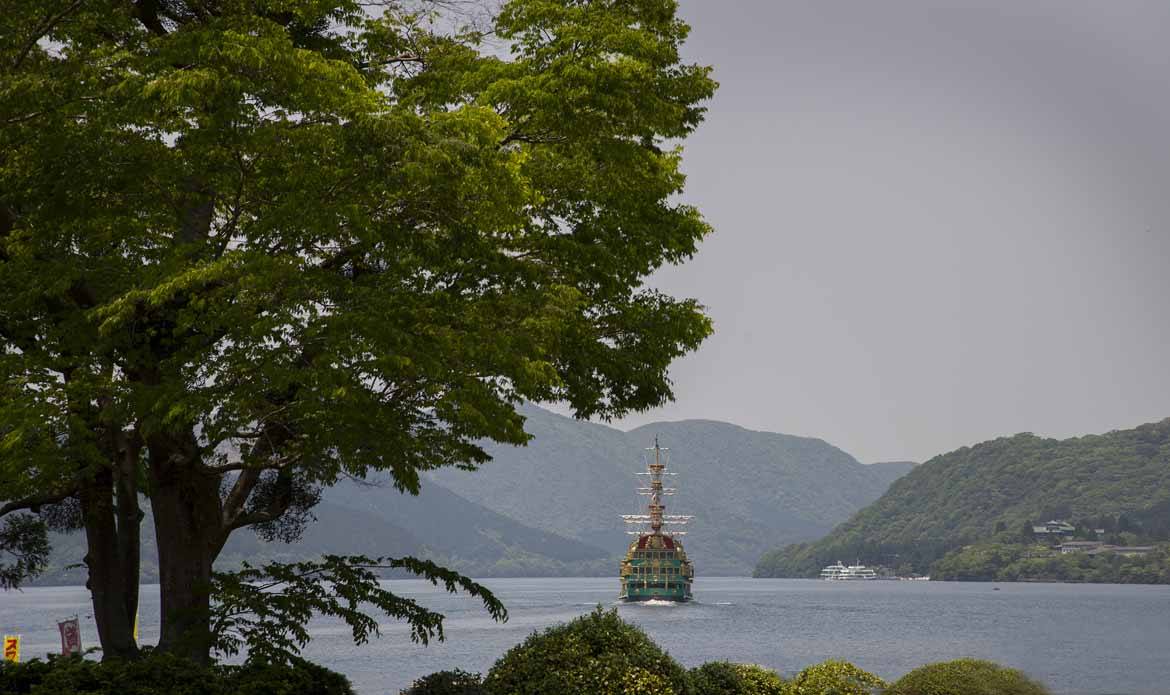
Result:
839,572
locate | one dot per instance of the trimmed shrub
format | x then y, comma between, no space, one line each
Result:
166,674
726,678
299,677
966,677
447,683
639,681
758,680
715,678
597,653
834,678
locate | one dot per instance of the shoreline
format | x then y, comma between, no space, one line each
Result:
1039,580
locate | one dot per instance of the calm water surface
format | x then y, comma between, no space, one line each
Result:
1079,639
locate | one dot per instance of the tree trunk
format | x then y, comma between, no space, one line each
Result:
107,583
185,504
129,516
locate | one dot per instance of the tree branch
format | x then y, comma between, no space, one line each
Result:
275,509
34,502
233,505
44,29
404,58
147,13
7,224
198,214
270,465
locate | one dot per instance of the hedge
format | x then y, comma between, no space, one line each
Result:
966,677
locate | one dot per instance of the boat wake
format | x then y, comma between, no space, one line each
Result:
658,602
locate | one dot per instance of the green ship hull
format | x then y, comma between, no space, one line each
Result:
664,593
656,568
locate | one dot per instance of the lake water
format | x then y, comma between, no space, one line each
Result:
1080,639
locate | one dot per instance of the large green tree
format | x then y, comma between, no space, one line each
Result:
250,246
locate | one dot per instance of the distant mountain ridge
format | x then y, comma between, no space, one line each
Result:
338,529
745,488
376,520
468,536
551,508
992,492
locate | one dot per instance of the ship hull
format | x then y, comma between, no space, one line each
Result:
636,594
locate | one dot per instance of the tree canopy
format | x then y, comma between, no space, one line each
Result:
248,247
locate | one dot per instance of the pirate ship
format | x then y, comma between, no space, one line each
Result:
656,566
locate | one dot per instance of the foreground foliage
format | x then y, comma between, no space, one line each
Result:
835,678
157,673
266,611
726,678
993,492
448,683
251,247
597,653
965,677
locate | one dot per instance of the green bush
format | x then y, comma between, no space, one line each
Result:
715,678
299,677
758,680
154,674
165,674
726,678
447,683
966,677
19,679
597,653
834,678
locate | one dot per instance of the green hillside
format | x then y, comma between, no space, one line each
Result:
575,479
469,537
338,530
992,492
378,521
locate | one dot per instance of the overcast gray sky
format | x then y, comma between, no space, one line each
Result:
936,222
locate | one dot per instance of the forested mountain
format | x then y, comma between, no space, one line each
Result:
470,537
379,521
745,488
338,530
551,508
993,492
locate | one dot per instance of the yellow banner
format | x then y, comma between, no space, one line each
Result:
12,648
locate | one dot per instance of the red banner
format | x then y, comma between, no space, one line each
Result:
70,636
